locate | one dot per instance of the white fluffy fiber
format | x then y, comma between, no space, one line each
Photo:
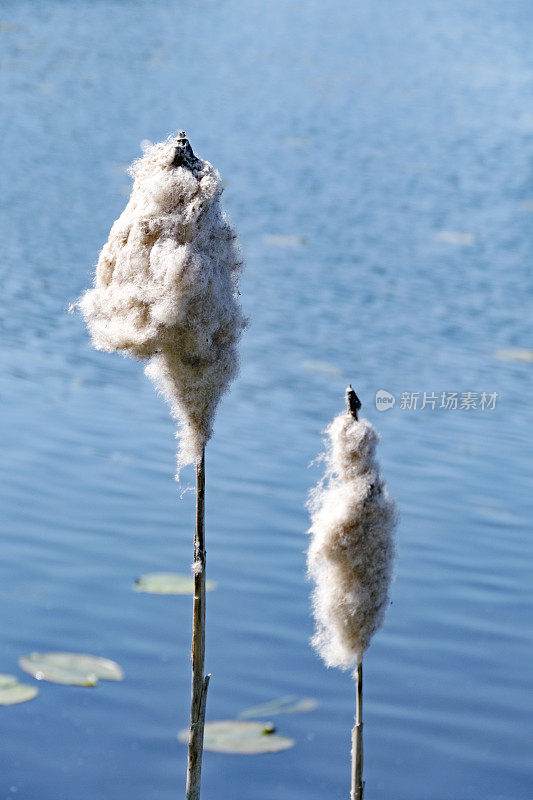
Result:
166,289
350,556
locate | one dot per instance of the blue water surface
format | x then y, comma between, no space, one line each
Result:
389,145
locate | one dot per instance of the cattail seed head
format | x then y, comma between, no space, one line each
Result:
166,287
350,556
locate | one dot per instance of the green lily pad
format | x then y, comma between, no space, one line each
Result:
515,354
73,669
283,705
16,693
168,583
237,736
7,681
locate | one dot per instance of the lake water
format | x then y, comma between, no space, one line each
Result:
377,158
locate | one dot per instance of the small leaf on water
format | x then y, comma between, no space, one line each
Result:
283,705
515,354
17,693
168,583
269,728
298,141
7,681
284,240
73,669
237,736
455,237
322,368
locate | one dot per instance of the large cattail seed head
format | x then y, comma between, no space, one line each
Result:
166,287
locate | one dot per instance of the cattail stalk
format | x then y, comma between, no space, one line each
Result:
200,683
358,784
350,556
166,292
354,404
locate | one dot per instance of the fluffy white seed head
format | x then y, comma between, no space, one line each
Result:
350,556
166,289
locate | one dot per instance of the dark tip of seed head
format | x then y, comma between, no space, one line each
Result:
183,152
352,402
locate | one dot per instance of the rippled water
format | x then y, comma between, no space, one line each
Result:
377,158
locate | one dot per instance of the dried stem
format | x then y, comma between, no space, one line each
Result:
199,682
358,784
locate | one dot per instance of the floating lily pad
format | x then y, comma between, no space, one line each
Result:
168,583
455,237
515,354
16,693
322,368
284,240
237,736
73,669
298,141
283,705
7,681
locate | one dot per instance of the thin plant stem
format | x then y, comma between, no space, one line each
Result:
358,785
200,682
